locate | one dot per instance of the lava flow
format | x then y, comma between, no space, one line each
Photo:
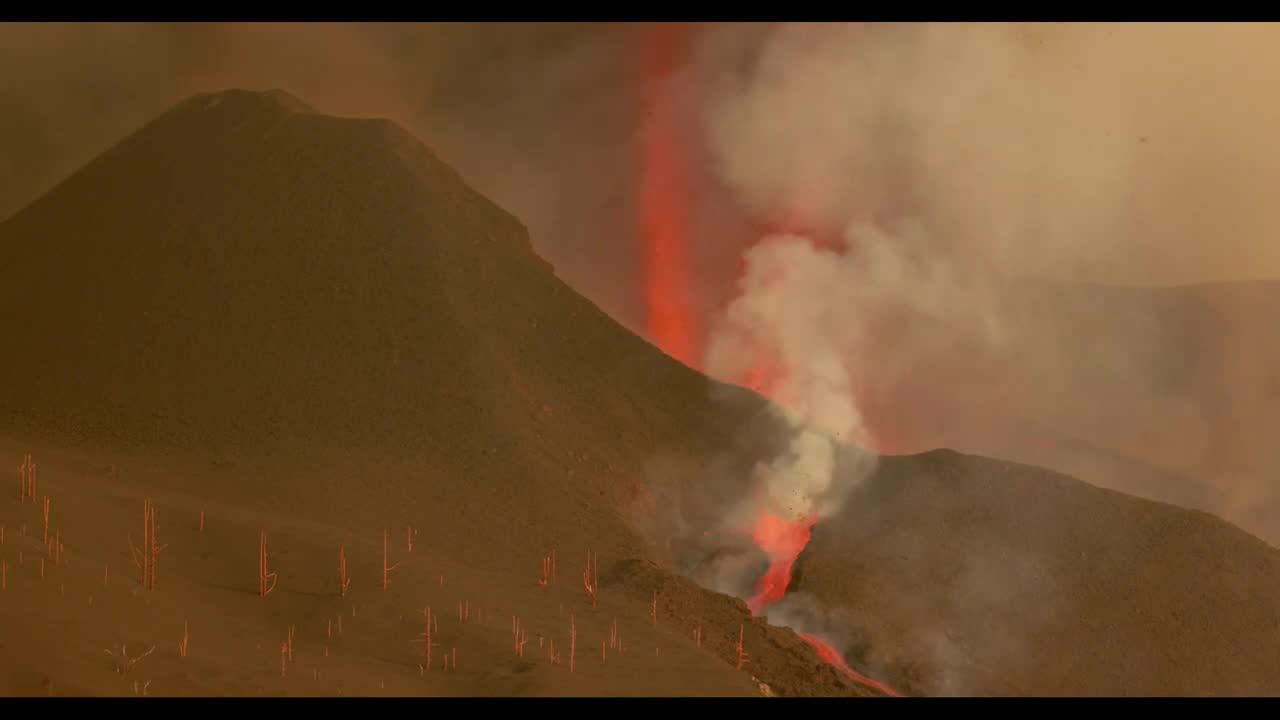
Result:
782,540
832,657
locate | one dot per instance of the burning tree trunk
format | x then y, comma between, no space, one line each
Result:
426,637
519,636
27,472
145,558
591,577
266,578
573,641
429,643
344,582
742,653
546,572
186,639
44,515
386,569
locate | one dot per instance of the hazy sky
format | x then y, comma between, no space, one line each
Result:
1130,153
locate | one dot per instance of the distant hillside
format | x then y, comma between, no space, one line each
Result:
1002,579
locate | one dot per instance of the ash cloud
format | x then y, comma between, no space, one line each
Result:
970,171
1027,156
1100,151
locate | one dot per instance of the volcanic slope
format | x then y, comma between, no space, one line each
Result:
1190,377
994,578
273,321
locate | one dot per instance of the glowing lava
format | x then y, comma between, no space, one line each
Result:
782,540
832,657
665,225
664,203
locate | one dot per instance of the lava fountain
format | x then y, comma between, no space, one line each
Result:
774,345
664,204
780,337
782,540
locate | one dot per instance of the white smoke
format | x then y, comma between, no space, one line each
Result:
829,124
803,311
788,316
825,121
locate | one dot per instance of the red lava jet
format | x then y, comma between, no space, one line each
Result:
664,205
665,232
782,540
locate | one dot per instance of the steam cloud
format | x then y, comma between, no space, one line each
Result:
788,317
785,308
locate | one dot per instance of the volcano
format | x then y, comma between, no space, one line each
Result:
296,338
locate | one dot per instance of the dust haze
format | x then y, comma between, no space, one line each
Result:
1127,153
1135,154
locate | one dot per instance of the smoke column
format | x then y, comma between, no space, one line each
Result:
787,325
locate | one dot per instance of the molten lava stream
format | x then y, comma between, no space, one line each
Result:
832,657
783,540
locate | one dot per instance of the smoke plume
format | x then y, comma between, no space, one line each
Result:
952,162
1028,158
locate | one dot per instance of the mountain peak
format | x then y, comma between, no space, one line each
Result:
243,265
247,99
